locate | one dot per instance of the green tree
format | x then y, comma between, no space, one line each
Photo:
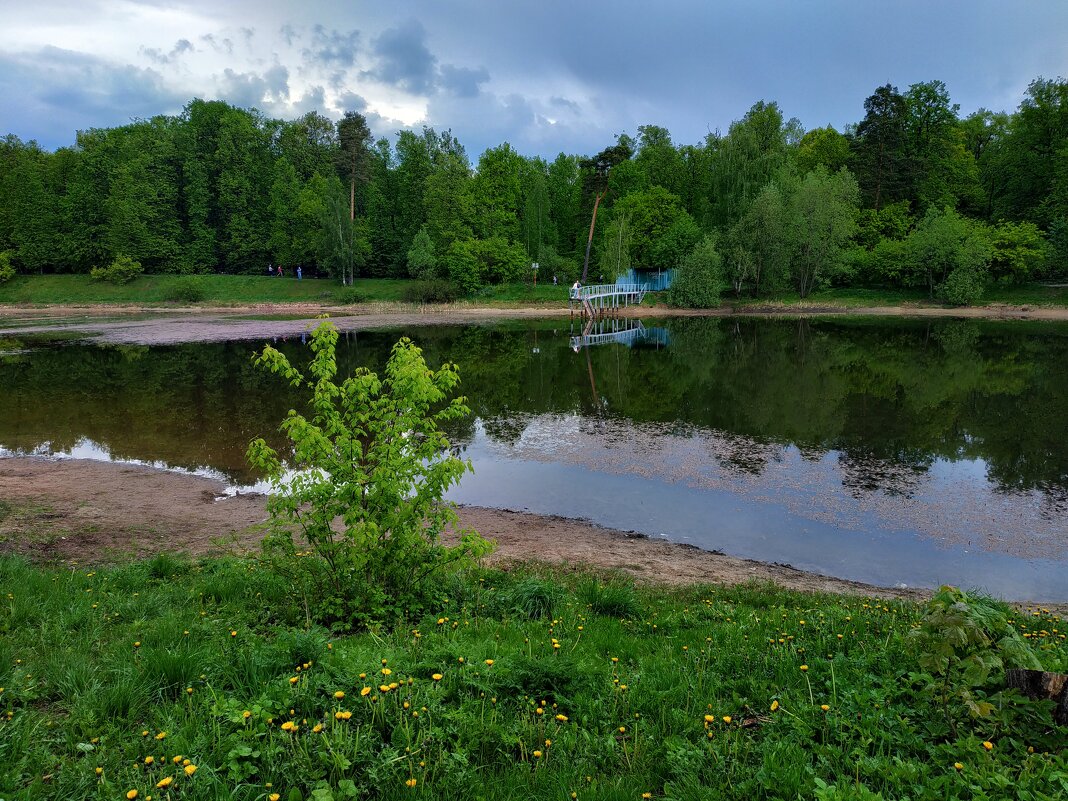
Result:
353,156
366,499
699,279
659,227
822,146
422,263
950,255
760,244
879,149
823,215
1018,252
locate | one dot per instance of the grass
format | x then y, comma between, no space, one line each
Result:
118,679
229,290
1028,295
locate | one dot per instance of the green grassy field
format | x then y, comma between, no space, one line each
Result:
1029,295
176,679
245,289
235,290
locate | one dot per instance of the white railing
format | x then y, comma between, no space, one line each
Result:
607,290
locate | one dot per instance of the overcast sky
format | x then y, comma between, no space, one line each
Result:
545,75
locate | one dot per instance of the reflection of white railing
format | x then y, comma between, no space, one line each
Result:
625,336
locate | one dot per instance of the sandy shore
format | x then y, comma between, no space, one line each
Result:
147,325
86,512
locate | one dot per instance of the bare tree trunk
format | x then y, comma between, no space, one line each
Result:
589,241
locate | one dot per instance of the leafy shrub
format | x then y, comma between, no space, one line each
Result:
188,289
371,466
350,296
962,641
7,269
434,291
121,271
699,279
963,287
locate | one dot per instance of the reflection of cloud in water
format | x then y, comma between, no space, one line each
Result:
949,501
87,449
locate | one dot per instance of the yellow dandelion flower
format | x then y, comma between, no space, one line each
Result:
233,632
489,663
537,754
131,794
437,677
386,671
383,688
774,705
246,714
161,735
339,695
824,707
294,679
288,726
539,711
562,718
726,718
99,771
989,746
710,719
411,782
165,781
804,668
190,770
958,766
318,727
273,797
149,760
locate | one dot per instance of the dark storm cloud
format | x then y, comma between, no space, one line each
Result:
462,81
403,59
333,47
50,93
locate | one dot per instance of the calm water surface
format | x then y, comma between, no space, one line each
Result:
900,453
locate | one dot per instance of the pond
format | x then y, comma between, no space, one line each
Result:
902,452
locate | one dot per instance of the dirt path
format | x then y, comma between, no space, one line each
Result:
92,512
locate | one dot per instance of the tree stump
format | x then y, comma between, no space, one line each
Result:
1041,685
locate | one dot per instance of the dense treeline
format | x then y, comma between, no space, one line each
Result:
912,195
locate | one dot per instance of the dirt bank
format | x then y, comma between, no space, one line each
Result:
145,325
92,512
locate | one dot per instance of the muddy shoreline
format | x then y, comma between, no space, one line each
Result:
84,512
155,325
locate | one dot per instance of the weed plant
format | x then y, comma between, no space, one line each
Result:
181,680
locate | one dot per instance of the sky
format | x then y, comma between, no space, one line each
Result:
547,76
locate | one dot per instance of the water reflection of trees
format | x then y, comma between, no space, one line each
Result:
889,398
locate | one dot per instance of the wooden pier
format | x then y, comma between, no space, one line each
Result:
600,299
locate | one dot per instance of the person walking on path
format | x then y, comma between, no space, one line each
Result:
300,274
279,270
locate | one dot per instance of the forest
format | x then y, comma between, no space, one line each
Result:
912,196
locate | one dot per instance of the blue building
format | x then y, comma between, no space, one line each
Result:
656,280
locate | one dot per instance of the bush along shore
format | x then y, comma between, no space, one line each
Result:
203,680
